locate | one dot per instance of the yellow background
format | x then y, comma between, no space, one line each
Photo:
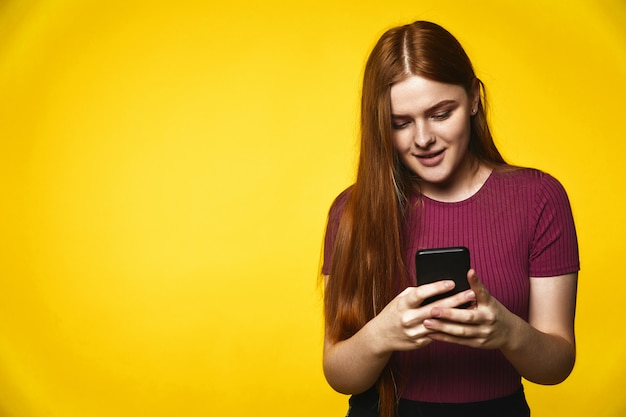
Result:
166,170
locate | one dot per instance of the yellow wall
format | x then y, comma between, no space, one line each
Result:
166,169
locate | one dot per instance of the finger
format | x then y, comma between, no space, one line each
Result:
459,340
456,300
448,328
452,314
411,322
455,324
421,293
467,335
476,285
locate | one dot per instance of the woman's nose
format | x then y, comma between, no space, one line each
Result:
424,137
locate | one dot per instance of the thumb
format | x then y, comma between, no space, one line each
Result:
476,285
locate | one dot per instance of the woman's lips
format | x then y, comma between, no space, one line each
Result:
431,159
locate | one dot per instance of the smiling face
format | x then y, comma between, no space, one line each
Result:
431,133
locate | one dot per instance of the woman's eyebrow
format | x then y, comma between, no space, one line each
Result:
433,108
442,103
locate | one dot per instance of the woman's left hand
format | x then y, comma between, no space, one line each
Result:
543,350
486,324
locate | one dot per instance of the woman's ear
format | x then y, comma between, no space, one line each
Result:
475,95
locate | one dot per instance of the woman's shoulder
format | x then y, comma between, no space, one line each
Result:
339,203
525,176
537,183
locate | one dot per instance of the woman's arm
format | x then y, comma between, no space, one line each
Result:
543,350
353,365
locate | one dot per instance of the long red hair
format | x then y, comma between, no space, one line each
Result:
367,268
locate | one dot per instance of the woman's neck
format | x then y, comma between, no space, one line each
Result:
468,179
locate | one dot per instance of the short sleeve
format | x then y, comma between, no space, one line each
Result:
334,217
554,249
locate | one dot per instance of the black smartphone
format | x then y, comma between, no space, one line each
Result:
452,263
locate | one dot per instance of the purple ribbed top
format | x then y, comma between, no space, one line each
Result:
518,225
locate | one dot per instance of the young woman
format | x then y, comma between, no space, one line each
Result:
430,176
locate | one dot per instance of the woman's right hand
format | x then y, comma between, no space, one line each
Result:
353,365
400,325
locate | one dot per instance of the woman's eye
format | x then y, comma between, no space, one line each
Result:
441,115
399,125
